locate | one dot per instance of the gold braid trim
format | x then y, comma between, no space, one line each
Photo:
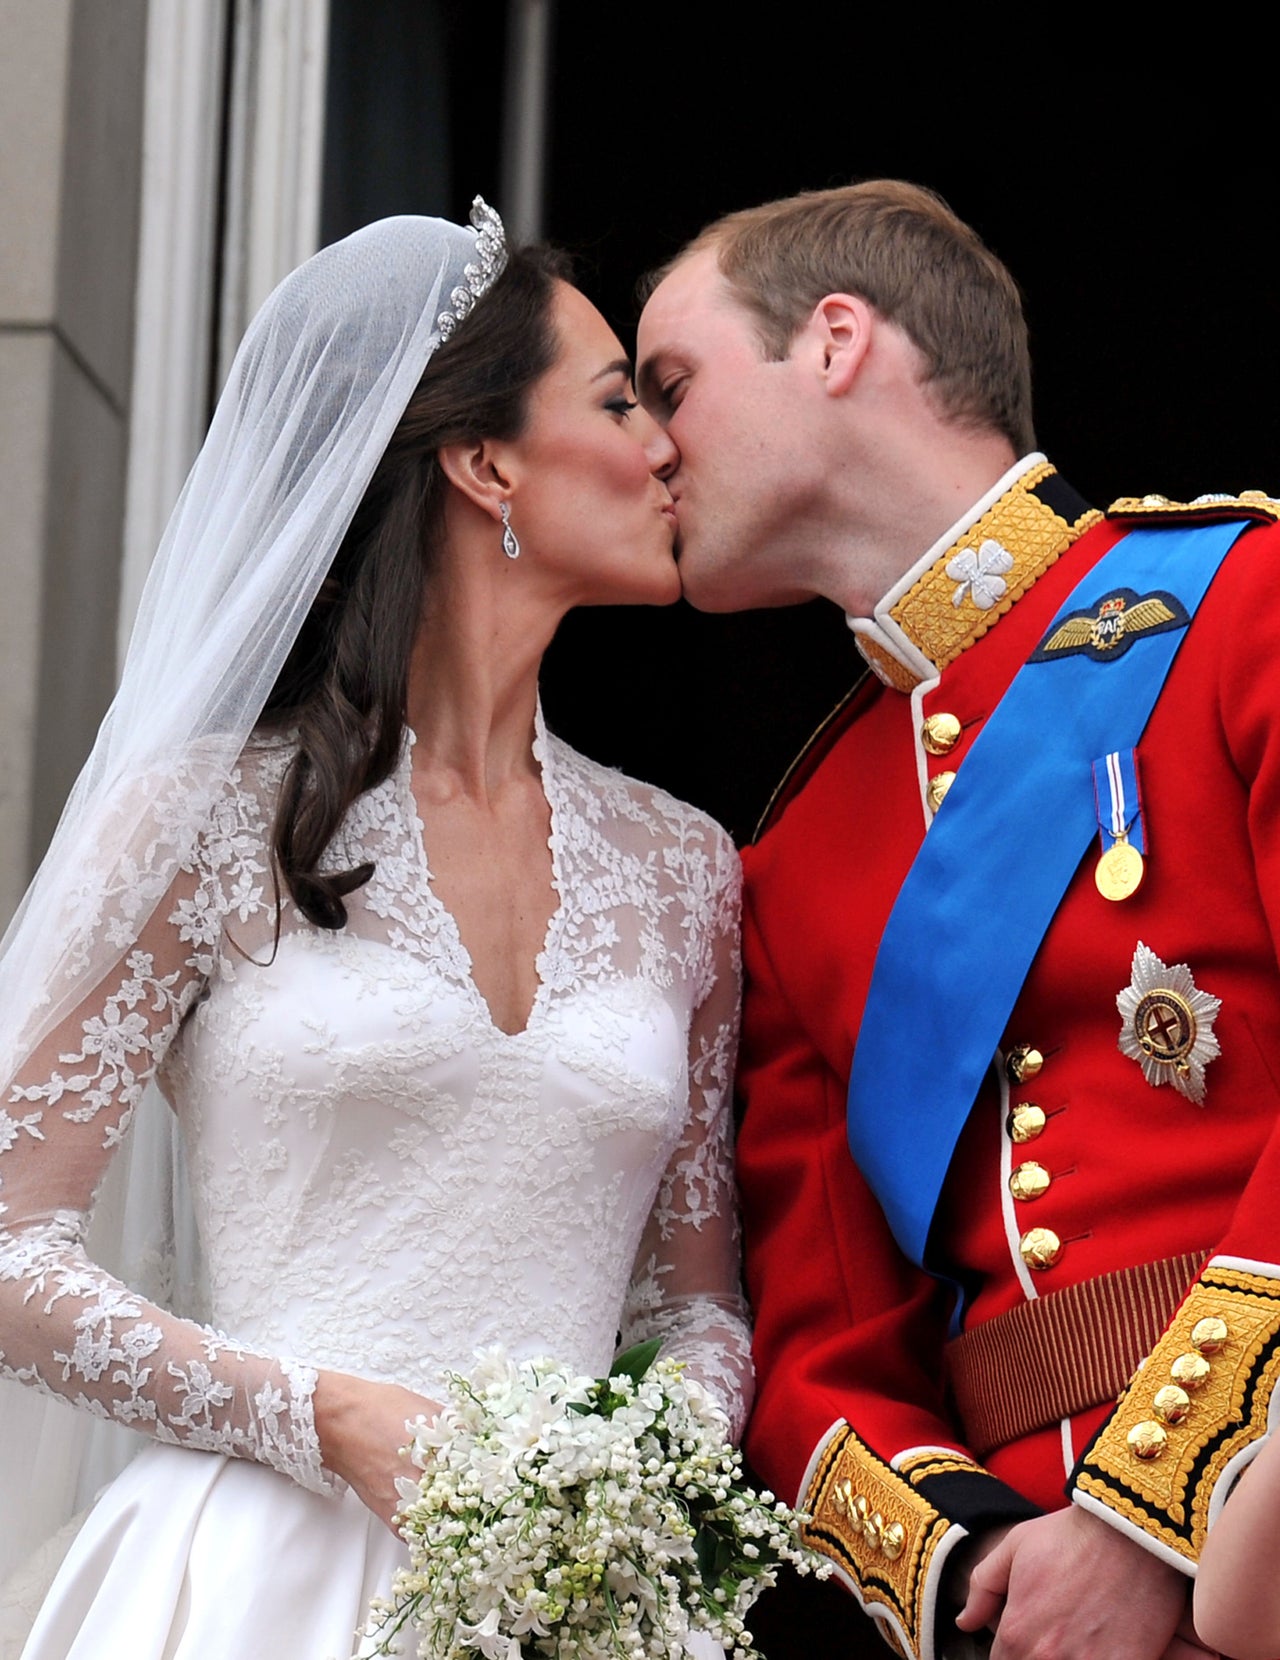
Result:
886,665
1201,1396
1249,504
922,1465
939,618
877,1528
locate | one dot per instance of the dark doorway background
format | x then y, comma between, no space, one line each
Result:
1130,194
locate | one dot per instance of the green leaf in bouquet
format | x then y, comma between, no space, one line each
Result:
634,1362
704,1551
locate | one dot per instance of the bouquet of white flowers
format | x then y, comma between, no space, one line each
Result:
592,1518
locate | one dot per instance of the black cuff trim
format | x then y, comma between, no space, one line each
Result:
975,1499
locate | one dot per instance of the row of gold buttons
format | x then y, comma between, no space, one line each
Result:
939,734
1039,1248
888,1538
1171,1403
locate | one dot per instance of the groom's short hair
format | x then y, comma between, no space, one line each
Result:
901,248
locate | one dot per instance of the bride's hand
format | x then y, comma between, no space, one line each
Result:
361,1426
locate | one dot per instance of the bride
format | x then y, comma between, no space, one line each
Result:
445,1011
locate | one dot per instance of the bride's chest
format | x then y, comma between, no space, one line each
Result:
371,1049
346,1048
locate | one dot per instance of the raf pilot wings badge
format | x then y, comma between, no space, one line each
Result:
1107,630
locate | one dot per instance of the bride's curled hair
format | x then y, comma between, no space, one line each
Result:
342,693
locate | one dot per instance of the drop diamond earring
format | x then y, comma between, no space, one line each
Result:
510,542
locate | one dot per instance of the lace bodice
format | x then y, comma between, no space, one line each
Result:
383,1179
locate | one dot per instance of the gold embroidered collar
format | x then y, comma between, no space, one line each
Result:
971,576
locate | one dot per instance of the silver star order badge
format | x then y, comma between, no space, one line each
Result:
1166,1024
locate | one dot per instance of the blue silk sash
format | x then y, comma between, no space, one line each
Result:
993,868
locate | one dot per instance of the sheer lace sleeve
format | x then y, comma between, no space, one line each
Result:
686,1288
67,1326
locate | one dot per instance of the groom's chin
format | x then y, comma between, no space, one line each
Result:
719,590
710,602
705,590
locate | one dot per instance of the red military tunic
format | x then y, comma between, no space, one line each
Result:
1112,1172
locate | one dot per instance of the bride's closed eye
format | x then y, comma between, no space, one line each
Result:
621,405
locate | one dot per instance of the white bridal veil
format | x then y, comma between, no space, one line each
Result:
317,387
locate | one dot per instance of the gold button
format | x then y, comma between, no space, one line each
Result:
1023,1062
1190,1370
893,1540
940,734
939,784
1255,495
842,1497
1147,1439
1171,1403
1026,1122
1208,1335
864,1518
1040,1248
875,1530
1155,501
1029,1181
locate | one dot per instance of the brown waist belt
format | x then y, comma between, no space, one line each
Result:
1059,1354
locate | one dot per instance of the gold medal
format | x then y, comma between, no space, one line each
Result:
1119,871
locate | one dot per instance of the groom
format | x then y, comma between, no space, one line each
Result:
1010,934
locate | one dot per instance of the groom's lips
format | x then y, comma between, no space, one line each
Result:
675,516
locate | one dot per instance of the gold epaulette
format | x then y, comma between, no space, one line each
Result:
881,1533
1199,1399
1249,504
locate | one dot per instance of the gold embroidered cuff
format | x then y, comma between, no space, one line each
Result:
883,1537
1200,1398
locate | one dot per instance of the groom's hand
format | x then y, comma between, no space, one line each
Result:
1068,1587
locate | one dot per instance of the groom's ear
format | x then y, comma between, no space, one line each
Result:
478,469
839,334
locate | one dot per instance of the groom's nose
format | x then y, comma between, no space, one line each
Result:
663,456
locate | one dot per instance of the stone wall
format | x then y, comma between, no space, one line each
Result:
71,110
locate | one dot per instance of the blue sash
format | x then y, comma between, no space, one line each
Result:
997,860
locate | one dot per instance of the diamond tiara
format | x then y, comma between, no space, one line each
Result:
480,274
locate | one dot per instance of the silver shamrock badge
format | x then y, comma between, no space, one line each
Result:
1166,1024
981,574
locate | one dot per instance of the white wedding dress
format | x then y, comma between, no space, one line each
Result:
383,1181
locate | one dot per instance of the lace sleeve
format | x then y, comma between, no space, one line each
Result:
686,1288
66,1326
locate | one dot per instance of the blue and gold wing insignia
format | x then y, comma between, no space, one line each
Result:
1116,620
1070,636
1146,615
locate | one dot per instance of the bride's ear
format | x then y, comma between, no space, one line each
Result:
479,471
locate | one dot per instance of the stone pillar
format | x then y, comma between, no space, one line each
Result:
71,106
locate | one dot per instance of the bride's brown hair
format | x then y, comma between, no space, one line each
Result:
343,689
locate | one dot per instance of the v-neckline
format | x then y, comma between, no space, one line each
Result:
457,952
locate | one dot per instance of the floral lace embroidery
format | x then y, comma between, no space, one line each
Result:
383,1180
